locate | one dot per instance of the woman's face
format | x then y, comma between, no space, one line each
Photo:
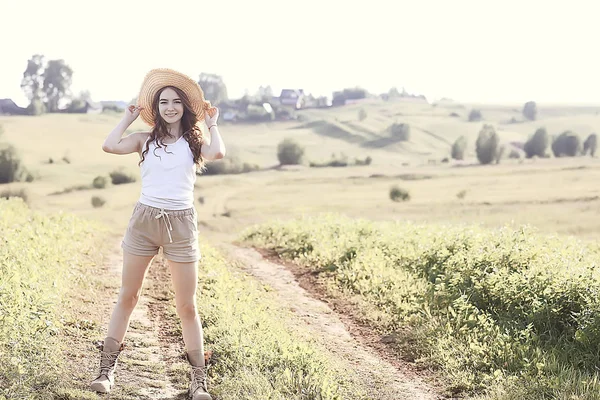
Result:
170,106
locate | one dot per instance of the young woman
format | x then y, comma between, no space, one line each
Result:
172,104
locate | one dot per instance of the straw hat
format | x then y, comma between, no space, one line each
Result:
157,79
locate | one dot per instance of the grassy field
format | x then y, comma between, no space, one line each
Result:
45,265
511,311
556,196
512,191
52,288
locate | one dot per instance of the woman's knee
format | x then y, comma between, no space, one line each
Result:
187,310
128,299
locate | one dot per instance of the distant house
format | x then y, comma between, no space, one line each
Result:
292,97
8,107
230,110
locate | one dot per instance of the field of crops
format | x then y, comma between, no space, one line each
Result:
501,314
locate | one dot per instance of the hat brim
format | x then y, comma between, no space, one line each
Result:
159,78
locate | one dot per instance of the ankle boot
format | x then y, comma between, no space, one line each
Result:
198,387
109,352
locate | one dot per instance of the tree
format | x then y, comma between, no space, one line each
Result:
530,110
591,143
486,146
46,83
475,115
57,81
458,148
265,94
78,102
213,87
567,144
537,144
33,78
289,152
393,92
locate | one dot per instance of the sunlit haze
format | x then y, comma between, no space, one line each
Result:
471,51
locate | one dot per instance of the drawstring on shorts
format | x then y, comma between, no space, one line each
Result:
165,216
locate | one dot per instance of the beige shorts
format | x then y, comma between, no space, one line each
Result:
176,231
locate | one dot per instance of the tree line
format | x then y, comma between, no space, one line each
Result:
47,85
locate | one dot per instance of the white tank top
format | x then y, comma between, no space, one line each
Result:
168,176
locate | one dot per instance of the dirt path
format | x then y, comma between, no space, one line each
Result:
388,380
151,366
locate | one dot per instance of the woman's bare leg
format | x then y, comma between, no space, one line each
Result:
134,271
185,281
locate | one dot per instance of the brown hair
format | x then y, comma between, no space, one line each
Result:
191,131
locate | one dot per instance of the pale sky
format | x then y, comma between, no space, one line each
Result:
468,50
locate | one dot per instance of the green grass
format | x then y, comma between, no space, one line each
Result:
504,308
259,352
41,262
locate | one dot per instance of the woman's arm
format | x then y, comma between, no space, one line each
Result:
115,143
216,149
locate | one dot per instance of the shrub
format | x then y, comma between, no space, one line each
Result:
591,143
100,182
362,114
514,153
367,161
461,195
530,110
567,144
399,194
537,144
229,165
119,177
484,306
401,131
475,115
486,146
98,201
335,161
256,113
332,163
70,189
8,193
458,148
289,152
340,97
10,165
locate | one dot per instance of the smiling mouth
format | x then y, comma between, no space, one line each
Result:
171,115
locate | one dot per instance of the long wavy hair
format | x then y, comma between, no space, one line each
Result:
191,132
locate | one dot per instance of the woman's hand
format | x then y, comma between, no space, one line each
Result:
211,116
132,112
